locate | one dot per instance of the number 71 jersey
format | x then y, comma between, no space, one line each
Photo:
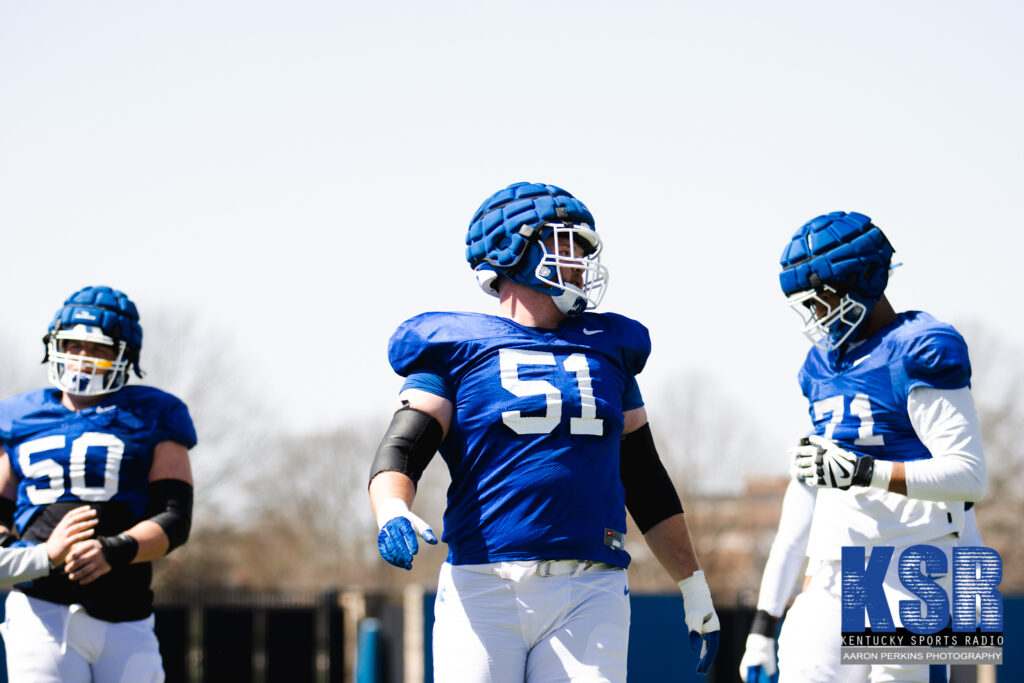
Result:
96,455
533,447
860,402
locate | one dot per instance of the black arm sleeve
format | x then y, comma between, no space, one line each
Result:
650,495
408,445
170,506
7,510
119,550
765,624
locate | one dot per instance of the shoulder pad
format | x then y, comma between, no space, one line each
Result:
169,413
937,357
148,397
811,369
421,342
633,338
16,407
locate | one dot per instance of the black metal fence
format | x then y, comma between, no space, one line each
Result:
250,636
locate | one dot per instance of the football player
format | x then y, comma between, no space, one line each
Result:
778,583
123,450
31,561
895,450
537,413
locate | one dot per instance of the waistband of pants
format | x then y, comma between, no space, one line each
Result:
540,568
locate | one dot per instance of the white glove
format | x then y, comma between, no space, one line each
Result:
820,462
758,663
701,619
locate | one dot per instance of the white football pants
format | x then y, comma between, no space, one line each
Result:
538,622
811,636
51,643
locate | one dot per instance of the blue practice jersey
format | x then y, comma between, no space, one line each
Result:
98,454
859,400
533,447
101,456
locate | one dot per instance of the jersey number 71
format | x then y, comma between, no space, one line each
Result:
860,407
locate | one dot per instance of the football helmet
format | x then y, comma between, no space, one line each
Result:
834,270
529,233
99,315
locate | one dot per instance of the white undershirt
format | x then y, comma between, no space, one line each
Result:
786,557
23,564
946,422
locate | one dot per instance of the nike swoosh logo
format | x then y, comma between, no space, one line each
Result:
843,471
860,360
590,332
103,409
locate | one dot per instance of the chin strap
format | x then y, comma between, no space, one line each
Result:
571,302
487,278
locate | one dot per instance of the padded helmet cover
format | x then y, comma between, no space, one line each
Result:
845,251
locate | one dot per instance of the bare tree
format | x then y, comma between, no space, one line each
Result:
704,447
20,373
707,452
309,523
998,388
189,359
238,438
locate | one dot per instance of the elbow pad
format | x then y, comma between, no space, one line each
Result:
408,445
170,506
650,495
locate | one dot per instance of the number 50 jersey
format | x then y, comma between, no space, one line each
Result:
101,456
533,447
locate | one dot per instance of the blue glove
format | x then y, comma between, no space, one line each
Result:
701,619
756,674
397,540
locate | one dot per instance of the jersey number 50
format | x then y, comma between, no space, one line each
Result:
51,472
587,423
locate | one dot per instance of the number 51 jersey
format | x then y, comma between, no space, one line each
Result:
101,456
533,446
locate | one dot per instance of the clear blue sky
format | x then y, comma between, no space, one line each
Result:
301,174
